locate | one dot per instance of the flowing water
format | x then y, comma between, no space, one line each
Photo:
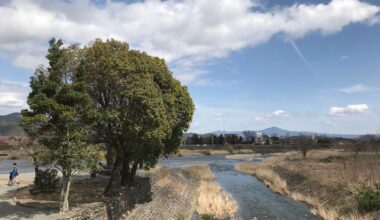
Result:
256,201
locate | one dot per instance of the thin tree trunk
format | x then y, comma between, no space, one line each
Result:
64,201
133,171
35,165
115,171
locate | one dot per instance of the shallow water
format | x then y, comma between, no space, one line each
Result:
256,201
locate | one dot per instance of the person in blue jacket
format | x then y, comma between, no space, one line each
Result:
12,175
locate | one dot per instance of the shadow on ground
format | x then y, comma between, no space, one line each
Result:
11,211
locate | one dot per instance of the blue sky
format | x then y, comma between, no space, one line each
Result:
300,65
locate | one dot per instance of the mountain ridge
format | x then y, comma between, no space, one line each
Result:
10,124
283,132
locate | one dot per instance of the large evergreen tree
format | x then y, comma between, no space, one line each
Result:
60,115
142,109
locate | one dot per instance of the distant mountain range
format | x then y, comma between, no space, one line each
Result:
282,132
9,125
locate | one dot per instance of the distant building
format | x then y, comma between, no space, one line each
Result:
259,138
274,140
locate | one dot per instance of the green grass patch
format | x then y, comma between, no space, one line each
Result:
368,200
208,217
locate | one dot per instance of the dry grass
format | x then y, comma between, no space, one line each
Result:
269,177
213,200
246,157
334,174
277,184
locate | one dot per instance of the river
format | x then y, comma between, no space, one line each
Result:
256,201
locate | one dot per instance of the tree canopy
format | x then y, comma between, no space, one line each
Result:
105,94
142,110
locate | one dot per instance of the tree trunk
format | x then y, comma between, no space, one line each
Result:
133,172
110,156
125,172
115,172
64,202
35,165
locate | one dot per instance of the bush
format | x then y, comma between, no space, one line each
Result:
325,160
46,181
230,149
368,200
207,217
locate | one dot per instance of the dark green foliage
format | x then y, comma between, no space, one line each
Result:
142,111
368,200
60,115
325,160
46,181
5,146
208,217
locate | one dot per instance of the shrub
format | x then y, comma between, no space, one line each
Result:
207,217
368,200
325,160
230,149
46,181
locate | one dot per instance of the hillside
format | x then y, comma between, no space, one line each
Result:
9,125
282,132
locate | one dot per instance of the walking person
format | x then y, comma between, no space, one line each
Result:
12,175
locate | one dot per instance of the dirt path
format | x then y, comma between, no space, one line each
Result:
9,209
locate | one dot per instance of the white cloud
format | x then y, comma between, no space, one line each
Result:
348,110
280,113
358,88
186,33
268,117
12,97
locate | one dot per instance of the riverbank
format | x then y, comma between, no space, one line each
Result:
162,193
327,180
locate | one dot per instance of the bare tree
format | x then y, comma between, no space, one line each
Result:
304,144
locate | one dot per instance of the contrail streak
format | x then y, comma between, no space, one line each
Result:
294,45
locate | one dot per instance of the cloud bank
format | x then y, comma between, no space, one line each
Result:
186,33
348,110
12,97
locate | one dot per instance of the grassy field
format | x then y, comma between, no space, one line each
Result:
328,180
